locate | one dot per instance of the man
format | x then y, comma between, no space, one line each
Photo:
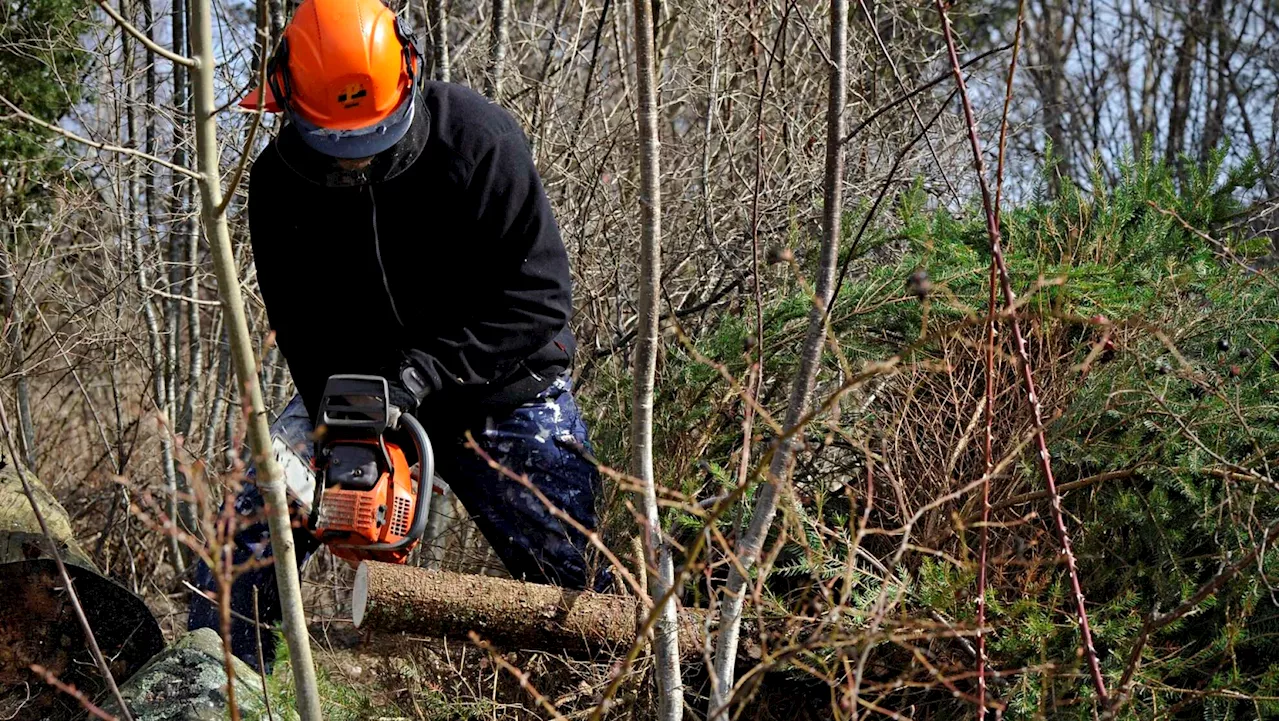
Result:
400,229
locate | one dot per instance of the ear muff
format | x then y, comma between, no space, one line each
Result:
413,58
278,75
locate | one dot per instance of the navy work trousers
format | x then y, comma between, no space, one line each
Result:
541,439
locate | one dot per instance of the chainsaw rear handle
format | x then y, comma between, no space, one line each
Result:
426,473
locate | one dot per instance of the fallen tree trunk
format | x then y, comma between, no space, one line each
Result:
393,599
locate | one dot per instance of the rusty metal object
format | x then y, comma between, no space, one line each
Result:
37,624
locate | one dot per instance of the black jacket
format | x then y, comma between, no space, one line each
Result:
446,257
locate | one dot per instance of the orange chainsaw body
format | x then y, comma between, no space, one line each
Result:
369,503
350,520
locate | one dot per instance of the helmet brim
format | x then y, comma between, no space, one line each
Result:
360,142
261,97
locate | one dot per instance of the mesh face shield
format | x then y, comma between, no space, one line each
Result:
360,142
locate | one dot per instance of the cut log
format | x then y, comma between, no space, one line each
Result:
389,598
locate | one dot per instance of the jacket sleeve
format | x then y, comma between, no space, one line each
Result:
289,314
528,298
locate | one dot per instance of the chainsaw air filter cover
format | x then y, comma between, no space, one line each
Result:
353,467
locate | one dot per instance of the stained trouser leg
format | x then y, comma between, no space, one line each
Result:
252,540
541,439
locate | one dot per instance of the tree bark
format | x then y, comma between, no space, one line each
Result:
657,554
1180,104
187,231
1217,82
440,39
497,50
1051,79
269,478
392,598
750,545
13,337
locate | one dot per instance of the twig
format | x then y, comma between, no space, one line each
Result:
1211,241
1004,113
989,391
988,462
1033,397
915,111
1062,489
590,535
208,595
71,691
257,118
72,594
519,675
914,92
95,144
184,298
1157,621
262,663
851,253
754,368
147,42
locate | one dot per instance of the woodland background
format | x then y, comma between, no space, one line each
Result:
1140,218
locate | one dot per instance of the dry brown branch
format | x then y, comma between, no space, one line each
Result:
1033,398
95,144
71,691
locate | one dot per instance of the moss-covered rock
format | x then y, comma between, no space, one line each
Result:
188,682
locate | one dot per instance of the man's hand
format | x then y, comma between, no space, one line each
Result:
407,389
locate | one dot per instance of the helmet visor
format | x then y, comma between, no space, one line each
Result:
359,142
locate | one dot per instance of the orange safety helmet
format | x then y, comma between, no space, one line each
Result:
345,75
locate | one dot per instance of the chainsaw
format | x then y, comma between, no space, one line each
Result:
369,503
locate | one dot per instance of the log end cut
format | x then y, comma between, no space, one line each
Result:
360,594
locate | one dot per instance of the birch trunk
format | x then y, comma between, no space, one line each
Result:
188,231
666,640
135,230
440,39
9,312
749,547
497,50
269,478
